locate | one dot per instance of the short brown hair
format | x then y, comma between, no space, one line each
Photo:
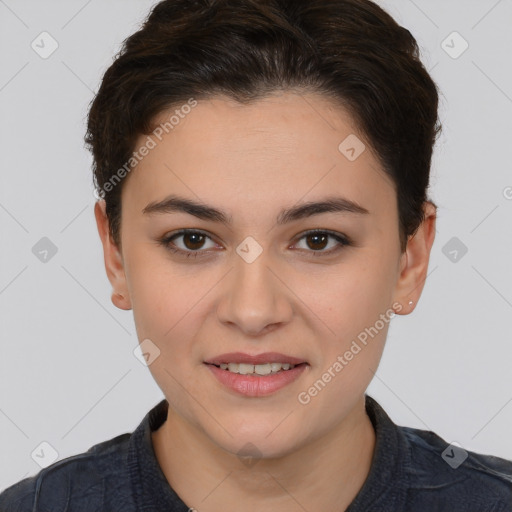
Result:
351,51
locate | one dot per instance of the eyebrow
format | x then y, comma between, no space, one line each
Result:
173,203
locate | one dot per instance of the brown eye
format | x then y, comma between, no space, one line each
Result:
316,241
193,241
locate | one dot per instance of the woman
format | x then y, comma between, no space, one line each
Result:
262,169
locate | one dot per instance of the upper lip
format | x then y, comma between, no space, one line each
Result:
265,357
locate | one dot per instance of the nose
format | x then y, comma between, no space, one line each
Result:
254,296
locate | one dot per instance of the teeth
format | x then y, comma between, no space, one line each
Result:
243,368
256,369
262,369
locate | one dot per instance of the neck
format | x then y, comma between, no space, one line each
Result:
323,474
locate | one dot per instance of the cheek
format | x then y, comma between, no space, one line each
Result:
162,296
348,298
165,309
171,303
352,311
355,308
165,313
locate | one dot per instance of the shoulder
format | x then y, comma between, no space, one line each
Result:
442,472
78,483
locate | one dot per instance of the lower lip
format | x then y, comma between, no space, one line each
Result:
254,386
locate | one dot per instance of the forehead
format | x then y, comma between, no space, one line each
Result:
270,153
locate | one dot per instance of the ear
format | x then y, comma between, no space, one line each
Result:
414,262
113,259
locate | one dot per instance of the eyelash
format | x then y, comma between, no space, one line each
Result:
166,242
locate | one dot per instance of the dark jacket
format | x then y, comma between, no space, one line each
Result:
412,470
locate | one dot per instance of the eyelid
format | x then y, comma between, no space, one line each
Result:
166,241
342,239
343,242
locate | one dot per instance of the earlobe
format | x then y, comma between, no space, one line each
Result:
414,263
119,300
113,260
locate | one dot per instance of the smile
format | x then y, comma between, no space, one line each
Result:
256,380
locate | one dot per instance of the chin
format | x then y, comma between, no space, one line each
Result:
249,450
257,439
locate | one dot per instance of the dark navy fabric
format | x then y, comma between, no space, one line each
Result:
408,474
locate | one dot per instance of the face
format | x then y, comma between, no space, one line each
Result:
257,273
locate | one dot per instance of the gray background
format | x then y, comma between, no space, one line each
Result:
68,375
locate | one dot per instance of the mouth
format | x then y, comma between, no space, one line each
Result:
260,370
256,375
267,363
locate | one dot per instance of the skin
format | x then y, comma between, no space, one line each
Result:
251,161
